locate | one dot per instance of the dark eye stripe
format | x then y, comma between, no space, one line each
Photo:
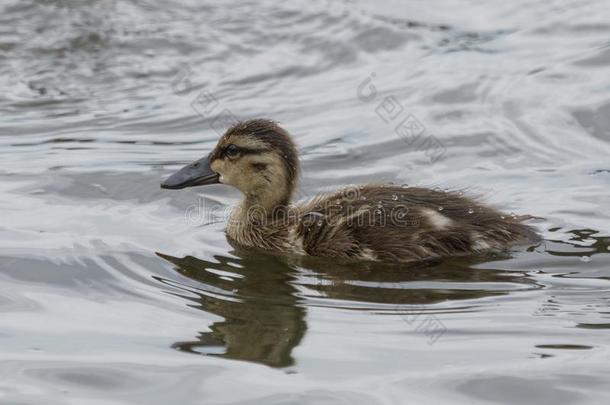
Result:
251,151
219,153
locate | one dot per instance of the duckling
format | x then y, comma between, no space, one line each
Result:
370,222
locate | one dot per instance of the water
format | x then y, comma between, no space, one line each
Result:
101,99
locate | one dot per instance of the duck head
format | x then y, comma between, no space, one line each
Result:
258,157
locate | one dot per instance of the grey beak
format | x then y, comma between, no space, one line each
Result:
198,173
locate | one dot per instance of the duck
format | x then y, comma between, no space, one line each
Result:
371,222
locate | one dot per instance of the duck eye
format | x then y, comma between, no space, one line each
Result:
231,151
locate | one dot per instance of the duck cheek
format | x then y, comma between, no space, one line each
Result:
218,167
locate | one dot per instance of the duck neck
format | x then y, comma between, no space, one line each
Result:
252,215
258,209
264,205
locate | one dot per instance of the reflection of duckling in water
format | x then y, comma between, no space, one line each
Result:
372,222
262,319
264,313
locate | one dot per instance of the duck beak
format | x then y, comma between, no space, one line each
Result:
198,173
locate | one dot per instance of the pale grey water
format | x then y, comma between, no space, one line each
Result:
97,106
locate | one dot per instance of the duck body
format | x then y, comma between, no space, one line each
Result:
368,222
381,223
